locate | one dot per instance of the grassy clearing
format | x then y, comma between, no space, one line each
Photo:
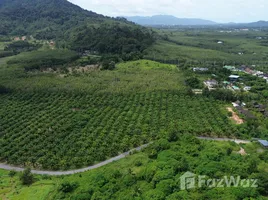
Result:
145,65
170,51
125,78
11,188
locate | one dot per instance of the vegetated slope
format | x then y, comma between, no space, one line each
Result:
71,26
46,17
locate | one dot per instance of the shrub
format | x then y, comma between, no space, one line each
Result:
27,177
68,187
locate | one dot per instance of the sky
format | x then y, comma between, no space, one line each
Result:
217,10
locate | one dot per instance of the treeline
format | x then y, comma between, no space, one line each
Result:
43,59
6,53
21,46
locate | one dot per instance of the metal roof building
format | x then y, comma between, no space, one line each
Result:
264,143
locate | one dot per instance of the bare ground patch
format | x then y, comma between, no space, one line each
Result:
235,117
242,152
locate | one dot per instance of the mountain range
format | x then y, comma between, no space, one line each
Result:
168,20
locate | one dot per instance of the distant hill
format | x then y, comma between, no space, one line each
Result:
258,24
72,27
168,20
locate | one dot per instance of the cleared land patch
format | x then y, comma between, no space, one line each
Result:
235,117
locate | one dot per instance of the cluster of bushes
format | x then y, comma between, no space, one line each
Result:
6,53
3,89
21,46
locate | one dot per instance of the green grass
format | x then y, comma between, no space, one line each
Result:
201,45
2,45
124,79
170,51
11,188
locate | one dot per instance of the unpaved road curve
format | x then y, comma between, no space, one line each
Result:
238,141
59,173
119,157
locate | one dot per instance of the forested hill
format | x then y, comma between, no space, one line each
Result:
69,25
21,17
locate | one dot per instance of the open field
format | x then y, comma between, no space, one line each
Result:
125,79
203,46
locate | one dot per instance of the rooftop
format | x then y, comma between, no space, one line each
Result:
229,67
234,76
264,142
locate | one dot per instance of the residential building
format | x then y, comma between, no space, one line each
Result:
234,78
211,83
232,68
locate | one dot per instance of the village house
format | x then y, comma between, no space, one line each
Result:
231,68
235,88
249,71
238,104
234,78
242,68
211,84
258,73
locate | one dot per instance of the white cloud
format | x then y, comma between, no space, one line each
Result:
220,10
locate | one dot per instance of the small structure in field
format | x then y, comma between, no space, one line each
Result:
264,143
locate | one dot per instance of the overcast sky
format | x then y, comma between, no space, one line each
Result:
217,10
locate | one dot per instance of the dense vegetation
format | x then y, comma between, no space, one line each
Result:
155,174
21,46
126,41
61,130
59,123
72,27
